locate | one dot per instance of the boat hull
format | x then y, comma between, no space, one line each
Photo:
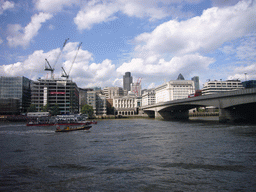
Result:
86,127
52,124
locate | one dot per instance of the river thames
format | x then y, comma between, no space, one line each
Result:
129,155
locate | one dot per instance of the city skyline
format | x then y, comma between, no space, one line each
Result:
154,41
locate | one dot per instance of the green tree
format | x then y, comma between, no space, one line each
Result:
55,110
32,108
46,108
88,109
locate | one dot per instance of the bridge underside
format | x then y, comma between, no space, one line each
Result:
238,113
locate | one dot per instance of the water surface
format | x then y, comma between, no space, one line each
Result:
129,155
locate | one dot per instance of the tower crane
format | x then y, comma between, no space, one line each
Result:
48,67
64,74
136,91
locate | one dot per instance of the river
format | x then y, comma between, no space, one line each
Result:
129,155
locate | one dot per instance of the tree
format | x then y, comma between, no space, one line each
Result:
87,109
46,108
55,110
32,108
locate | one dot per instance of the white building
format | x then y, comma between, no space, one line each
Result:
148,97
172,90
214,87
127,105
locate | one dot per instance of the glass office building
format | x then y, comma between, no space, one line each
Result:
13,89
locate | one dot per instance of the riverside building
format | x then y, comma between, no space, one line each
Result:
98,101
148,97
63,92
127,105
15,94
214,87
176,89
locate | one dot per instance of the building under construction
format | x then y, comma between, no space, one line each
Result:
63,92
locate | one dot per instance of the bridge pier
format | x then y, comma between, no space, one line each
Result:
244,113
172,115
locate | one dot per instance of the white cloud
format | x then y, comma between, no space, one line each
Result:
20,36
1,41
83,72
94,14
199,34
5,5
247,72
54,5
96,11
186,65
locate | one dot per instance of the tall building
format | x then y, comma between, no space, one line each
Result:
127,80
214,87
172,90
196,80
15,89
63,92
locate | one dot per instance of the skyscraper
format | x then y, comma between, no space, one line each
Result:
196,80
127,80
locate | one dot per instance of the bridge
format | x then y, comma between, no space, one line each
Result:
234,106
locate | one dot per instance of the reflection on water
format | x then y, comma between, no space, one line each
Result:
129,155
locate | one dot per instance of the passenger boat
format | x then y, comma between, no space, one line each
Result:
60,120
68,128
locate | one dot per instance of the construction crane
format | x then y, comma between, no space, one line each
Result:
64,74
48,67
136,91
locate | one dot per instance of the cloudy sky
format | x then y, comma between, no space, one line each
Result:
154,40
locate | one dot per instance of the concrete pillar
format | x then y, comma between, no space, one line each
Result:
172,115
238,114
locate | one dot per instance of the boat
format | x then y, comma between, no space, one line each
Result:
68,128
60,120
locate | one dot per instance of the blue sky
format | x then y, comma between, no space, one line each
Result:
154,40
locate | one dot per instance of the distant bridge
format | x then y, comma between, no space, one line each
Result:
234,106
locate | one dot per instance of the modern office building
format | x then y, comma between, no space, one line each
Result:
176,89
127,105
63,92
13,90
127,80
148,97
214,87
98,101
196,80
